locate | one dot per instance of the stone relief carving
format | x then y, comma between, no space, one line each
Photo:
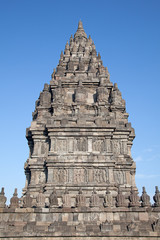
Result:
100,175
98,145
133,226
79,175
116,147
61,145
60,175
81,144
156,225
120,176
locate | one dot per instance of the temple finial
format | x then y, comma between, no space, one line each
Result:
80,25
80,31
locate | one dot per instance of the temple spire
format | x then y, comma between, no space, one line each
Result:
80,31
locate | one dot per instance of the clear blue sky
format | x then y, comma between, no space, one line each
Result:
32,35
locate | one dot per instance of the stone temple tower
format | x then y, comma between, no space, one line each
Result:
80,175
80,136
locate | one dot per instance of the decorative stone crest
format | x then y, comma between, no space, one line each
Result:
108,199
66,199
94,200
80,199
145,198
40,199
120,199
134,198
156,198
53,200
27,200
14,201
3,199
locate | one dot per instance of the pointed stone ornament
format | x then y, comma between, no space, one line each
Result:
67,51
14,201
40,199
3,199
145,198
120,199
108,199
61,56
156,197
134,198
53,74
71,41
27,201
53,200
80,31
80,199
94,200
66,199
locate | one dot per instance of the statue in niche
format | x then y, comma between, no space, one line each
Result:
3,199
156,198
53,200
80,199
14,201
45,97
108,199
134,198
66,199
145,198
27,200
94,200
40,199
120,199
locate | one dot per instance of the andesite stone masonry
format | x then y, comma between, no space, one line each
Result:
80,175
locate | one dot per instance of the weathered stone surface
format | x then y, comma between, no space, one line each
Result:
80,138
